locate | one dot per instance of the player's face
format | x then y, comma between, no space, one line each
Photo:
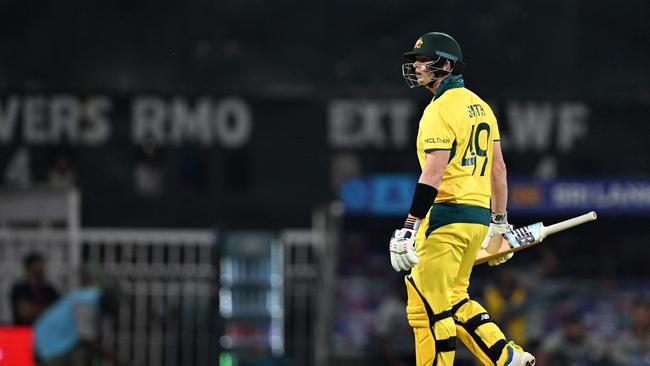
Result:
424,75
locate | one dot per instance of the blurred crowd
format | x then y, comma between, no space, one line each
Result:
564,321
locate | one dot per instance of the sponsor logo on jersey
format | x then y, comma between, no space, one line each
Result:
436,140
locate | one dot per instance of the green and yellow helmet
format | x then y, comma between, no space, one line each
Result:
434,45
439,47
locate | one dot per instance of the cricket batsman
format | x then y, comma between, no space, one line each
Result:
459,199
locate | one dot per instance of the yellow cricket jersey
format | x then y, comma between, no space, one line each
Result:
462,122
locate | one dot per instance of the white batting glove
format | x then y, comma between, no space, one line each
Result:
402,248
498,225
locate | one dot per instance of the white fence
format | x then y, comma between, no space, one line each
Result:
303,249
310,274
168,287
168,284
43,220
167,278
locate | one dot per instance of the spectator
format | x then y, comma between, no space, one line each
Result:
393,335
545,289
570,346
148,173
67,333
505,301
632,348
31,296
62,173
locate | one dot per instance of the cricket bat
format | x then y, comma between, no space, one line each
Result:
526,236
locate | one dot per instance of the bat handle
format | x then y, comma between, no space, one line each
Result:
563,225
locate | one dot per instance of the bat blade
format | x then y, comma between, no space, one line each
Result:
510,242
526,236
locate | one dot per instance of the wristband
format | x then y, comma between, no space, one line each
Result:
411,223
423,198
499,217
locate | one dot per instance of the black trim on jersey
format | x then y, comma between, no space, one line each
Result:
452,153
430,150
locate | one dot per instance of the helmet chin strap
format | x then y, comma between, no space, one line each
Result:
438,72
430,84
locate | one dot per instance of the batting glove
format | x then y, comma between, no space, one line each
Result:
498,226
402,246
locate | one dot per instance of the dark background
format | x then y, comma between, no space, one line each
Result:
290,62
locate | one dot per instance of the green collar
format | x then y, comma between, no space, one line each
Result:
451,82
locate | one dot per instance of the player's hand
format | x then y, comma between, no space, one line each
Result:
402,249
498,226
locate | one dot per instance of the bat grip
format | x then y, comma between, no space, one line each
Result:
563,225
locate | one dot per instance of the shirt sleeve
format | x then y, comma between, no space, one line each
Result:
436,133
497,134
495,124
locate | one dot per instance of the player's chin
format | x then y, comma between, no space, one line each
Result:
424,80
